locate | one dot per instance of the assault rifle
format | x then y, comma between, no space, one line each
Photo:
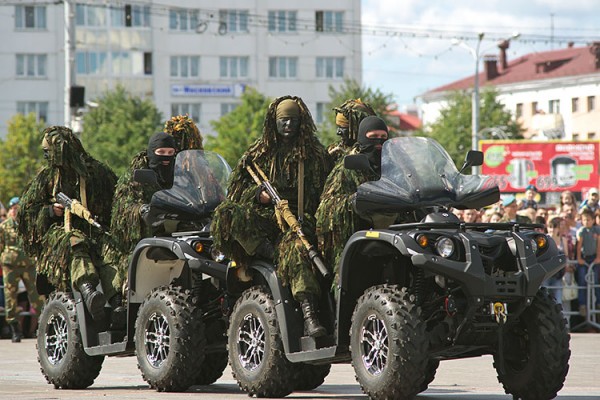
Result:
73,206
284,214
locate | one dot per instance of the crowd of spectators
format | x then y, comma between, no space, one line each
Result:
575,228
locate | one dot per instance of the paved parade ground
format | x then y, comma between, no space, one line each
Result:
20,378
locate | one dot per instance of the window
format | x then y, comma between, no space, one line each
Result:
554,106
31,65
226,108
320,117
185,66
191,109
91,63
130,15
283,67
30,17
233,21
534,107
183,20
148,63
591,135
39,108
282,21
90,15
519,110
575,136
591,103
329,21
233,67
330,67
575,104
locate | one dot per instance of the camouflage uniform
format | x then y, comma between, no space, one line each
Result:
72,257
347,119
241,224
16,266
127,227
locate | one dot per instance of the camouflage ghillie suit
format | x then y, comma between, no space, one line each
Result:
241,224
336,219
347,119
127,227
68,257
16,266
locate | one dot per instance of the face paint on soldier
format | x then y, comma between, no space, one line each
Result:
288,127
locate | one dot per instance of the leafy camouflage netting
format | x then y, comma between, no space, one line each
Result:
349,114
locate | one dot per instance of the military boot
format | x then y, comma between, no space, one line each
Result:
118,319
312,327
94,301
15,328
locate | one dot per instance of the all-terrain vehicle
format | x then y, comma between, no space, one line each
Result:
176,303
429,289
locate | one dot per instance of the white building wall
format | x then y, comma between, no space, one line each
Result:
258,44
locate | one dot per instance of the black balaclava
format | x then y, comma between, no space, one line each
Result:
368,146
164,172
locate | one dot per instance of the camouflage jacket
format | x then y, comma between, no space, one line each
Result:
11,245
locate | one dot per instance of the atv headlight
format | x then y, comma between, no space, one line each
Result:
444,246
216,254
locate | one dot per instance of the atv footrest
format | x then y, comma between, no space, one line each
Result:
110,337
308,343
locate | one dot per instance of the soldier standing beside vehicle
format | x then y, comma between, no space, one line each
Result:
16,266
336,219
245,224
347,119
67,249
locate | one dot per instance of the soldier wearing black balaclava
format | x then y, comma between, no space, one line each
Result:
336,219
348,117
161,158
245,225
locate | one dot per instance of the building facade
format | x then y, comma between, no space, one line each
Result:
553,94
188,56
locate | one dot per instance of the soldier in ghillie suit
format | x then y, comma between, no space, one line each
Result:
16,266
336,219
347,119
245,225
68,251
127,226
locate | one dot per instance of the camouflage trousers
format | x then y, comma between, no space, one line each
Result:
84,269
12,276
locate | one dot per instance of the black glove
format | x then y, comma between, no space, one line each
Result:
145,213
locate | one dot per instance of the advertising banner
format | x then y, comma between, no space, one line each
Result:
552,166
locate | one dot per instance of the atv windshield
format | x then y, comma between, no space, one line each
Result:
199,185
417,172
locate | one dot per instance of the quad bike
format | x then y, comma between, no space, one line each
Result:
176,303
429,289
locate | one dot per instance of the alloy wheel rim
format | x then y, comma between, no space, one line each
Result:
251,342
56,338
374,345
157,339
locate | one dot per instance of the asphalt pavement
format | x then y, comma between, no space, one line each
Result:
20,378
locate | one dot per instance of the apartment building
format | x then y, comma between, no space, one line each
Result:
188,56
554,94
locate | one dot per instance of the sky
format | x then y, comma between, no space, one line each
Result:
410,46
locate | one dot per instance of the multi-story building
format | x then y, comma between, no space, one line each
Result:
554,94
188,56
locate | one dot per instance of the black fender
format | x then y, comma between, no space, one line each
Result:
289,315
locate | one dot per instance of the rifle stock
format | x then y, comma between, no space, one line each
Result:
283,212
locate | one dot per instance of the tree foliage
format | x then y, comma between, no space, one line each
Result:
119,127
239,128
382,103
453,128
21,155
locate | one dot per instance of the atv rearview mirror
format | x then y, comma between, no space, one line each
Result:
146,176
474,158
358,162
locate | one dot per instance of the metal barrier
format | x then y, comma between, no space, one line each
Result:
591,311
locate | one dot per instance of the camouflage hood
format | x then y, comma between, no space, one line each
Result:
64,149
186,133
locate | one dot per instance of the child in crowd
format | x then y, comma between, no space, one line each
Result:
588,258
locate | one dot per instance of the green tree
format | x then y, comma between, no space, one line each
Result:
119,127
239,128
21,154
453,128
350,89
